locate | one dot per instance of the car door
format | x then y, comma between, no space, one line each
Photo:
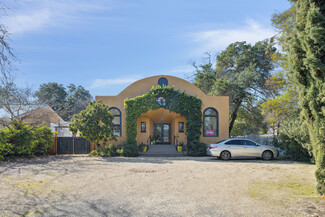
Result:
251,149
235,147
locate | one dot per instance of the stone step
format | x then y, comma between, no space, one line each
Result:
158,150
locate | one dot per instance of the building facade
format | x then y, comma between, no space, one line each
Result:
162,125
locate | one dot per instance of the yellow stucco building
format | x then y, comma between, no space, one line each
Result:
164,126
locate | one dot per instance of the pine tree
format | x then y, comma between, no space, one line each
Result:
307,65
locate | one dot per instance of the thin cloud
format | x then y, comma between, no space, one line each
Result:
99,83
38,14
124,81
219,39
181,69
28,22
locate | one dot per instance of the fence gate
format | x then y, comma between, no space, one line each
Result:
81,145
70,145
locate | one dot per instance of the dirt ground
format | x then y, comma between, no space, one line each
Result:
156,186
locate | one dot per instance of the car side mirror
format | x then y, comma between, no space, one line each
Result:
257,145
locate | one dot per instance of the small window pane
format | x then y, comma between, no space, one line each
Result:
181,127
210,112
210,126
117,130
116,120
143,126
114,111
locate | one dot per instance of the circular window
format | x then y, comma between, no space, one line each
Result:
161,101
162,81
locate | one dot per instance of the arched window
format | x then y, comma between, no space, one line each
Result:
210,122
117,121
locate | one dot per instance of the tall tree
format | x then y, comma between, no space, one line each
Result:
95,123
6,57
65,101
15,102
241,72
53,94
307,66
6,53
77,100
282,103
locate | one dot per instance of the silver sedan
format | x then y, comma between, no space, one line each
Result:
241,148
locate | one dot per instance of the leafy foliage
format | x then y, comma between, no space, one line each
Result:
22,140
42,140
176,101
196,148
294,140
20,136
281,109
241,72
77,100
249,119
104,151
53,94
66,102
6,148
93,153
95,123
278,108
284,24
307,67
113,150
126,150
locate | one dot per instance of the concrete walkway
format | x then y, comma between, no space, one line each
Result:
163,151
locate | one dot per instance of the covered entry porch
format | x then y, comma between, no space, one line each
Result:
161,126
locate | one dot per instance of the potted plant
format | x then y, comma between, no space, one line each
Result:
179,146
143,147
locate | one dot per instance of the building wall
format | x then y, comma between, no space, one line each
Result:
138,88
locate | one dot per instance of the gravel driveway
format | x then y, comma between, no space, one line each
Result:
156,186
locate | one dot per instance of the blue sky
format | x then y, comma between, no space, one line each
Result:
106,45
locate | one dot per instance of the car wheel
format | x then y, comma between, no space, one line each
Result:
267,155
225,155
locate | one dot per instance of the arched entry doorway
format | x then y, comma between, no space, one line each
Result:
162,127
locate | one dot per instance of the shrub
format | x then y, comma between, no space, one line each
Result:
20,136
196,148
6,149
21,140
104,151
93,153
113,150
129,150
42,140
294,140
125,150
119,150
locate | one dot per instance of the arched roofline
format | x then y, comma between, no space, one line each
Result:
187,84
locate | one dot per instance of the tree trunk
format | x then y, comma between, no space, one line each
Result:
234,115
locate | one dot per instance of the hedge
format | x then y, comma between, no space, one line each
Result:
21,140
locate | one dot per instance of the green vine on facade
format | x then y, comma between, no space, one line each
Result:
175,101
